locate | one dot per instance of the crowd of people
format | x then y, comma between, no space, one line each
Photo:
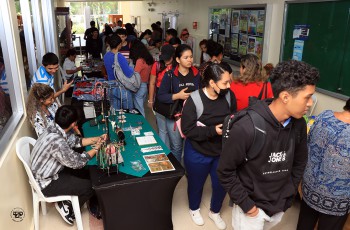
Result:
261,186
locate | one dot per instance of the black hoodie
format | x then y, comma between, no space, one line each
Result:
270,180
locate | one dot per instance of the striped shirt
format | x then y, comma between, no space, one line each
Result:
52,152
42,76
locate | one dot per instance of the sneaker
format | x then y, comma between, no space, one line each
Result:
70,208
63,209
197,217
219,222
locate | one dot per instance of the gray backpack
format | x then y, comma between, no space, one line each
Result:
199,104
132,83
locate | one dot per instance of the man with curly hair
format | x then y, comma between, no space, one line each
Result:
263,187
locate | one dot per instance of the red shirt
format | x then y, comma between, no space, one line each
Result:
242,92
160,74
143,69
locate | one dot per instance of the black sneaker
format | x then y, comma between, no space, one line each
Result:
70,208
63,209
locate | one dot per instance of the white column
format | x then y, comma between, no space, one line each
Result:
28,34
38,30
87,16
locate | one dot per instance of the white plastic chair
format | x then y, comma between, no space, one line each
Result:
23,153
312,108
61,82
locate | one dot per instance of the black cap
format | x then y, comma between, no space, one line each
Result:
166,52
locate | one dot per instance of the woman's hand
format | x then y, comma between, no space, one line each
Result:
182,94
218,129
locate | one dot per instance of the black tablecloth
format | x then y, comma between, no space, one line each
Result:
129,202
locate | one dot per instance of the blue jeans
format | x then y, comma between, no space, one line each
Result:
120,98
162,131
175,139
198,166
140,98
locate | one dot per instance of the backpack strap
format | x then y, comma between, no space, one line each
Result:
228,99
259,134
197,100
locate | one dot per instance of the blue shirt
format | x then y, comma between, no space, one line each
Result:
43,77
326,181
3,82
109,64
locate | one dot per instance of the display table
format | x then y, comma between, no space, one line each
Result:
134,200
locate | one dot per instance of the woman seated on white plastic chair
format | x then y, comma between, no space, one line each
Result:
41,108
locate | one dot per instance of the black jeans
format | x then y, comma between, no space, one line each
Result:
73,182
308,218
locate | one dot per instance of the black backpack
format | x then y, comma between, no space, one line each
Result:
259,130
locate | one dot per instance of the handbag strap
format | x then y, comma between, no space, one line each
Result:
263,90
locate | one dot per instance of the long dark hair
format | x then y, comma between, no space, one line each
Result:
139,50
146,32
213,72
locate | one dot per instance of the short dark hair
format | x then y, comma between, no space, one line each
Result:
65,116
171,32
213,72
49,59
71,52
114,41
92,23
121,31
158,23
174,41
214,49
292,76
92,30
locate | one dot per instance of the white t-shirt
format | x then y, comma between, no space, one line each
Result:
68,65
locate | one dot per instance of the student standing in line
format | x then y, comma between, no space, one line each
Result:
143,62
326,181
177,84
203,142
204,56
166,63
250,82
263,187
120,97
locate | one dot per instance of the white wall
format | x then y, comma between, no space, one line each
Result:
195,10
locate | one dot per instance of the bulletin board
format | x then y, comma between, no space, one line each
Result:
240,30
318,33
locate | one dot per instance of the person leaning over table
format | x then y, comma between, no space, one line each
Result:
203,142
45,73
326,181
57,167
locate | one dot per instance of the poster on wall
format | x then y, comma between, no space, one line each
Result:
227,31
243,21
258,46
223,20
251,45
298,50
252,22
235,21
301,32
260,23
227,47
243,40
215,37
234,43
221,40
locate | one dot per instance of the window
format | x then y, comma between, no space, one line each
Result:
11,70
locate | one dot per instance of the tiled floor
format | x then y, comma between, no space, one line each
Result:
181,217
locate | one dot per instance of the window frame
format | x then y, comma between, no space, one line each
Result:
9,38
